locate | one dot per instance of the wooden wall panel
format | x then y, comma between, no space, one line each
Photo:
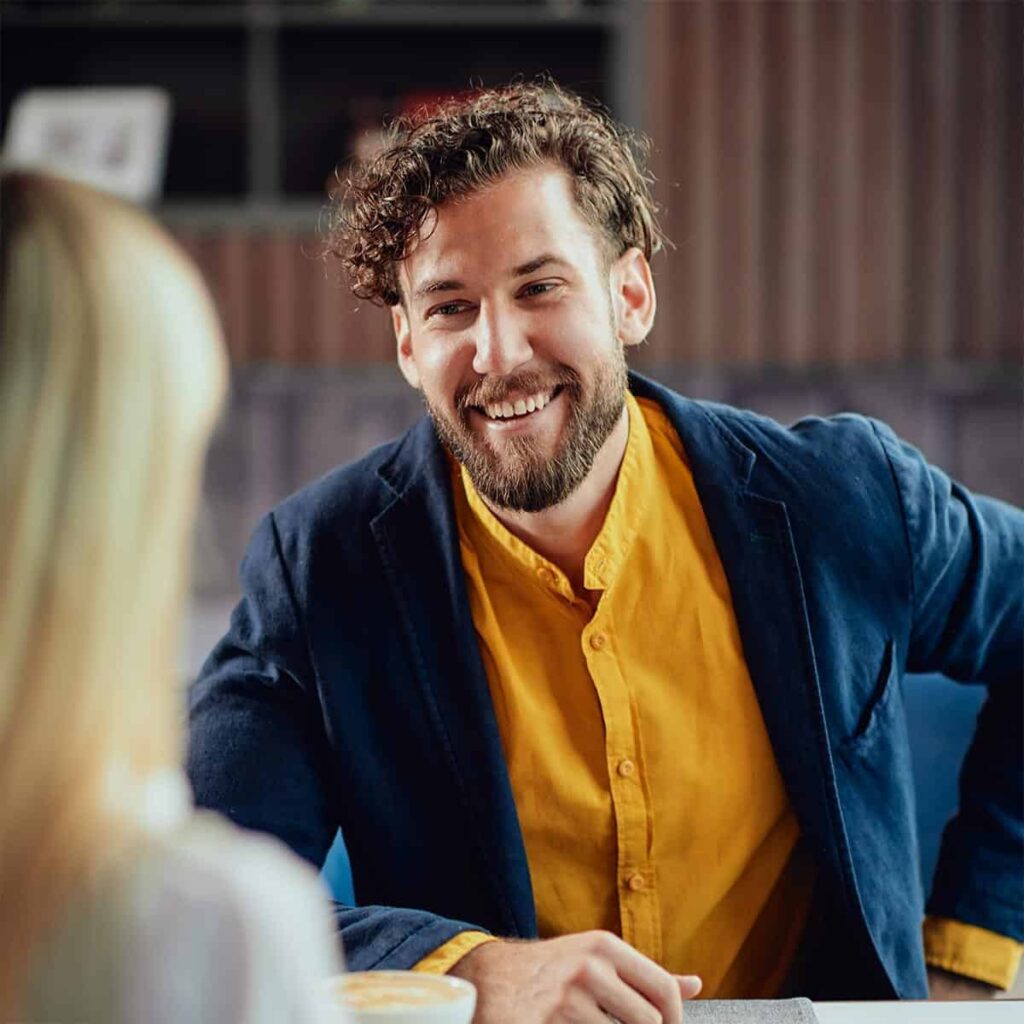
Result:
877,264
1008,33
854,186
279,302
791,250
842,184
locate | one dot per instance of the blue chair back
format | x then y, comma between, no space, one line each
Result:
337,873
940,718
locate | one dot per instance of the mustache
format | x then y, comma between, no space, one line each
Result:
497,389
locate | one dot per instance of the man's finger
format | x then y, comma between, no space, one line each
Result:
657,986
619,1002
689,985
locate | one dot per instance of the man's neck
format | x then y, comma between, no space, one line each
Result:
564,533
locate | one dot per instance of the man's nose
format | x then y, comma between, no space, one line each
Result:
501,343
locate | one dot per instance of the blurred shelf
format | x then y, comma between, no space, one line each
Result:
269,95
115,16
539,16
950,380
161,15
298,215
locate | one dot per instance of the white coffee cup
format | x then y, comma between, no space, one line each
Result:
403,997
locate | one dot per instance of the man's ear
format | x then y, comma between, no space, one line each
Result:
633,298
403,341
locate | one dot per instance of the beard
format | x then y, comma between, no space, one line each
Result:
517,474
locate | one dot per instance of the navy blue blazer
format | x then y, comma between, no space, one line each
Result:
349,690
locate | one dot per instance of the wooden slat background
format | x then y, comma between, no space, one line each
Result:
843,184
280,303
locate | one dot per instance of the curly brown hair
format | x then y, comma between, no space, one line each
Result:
467,144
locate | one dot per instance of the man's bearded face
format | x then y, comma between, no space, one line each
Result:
519,471
512,325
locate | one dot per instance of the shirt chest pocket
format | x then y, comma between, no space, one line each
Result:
879,711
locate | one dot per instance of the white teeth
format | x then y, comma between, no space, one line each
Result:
522,406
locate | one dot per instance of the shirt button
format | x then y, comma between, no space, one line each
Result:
635,883
597,640
626,768
547,577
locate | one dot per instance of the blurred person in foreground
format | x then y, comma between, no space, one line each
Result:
119,903
578,659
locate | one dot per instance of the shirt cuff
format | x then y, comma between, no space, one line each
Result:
445,957
970,951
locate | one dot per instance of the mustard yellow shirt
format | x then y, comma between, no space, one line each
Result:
647,791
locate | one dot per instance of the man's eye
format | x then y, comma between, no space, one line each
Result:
538,288
448,309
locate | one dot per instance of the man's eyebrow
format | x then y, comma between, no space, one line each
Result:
453,285
432,287
535,264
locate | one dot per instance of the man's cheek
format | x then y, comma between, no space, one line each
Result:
449,377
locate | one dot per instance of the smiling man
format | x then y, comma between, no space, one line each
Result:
515,332
581,662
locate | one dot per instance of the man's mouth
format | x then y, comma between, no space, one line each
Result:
518,406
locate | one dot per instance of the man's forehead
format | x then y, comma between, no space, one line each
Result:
525,217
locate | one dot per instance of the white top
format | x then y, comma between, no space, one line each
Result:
205,924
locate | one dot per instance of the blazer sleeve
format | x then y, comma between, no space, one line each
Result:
258,751
967,562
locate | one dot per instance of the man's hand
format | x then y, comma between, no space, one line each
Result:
577,979
946,986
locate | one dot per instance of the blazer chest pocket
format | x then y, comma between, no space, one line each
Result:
877,714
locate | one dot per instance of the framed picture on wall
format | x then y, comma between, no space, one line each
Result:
114,139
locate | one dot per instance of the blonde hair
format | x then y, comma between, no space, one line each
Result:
111,374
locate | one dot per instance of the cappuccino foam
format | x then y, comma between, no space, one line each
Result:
383,990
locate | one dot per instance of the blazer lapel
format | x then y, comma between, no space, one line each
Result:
417,538
755,543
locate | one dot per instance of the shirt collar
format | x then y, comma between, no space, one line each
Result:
622,522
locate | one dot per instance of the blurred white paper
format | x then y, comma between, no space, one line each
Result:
115,139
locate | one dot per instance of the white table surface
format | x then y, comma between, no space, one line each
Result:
996,1011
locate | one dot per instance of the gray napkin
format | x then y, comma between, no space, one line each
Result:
749,1011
